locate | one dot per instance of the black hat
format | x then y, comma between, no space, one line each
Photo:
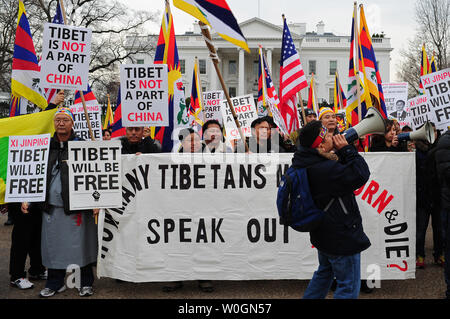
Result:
310,112
312,134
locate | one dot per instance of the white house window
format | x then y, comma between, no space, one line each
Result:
139,61
312,67
232,67
202,66
183,66
333,67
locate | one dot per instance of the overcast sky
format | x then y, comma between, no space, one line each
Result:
394,17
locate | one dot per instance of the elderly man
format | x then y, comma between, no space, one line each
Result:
328,119
68,237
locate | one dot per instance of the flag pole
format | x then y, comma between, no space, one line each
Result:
356,58
338,89
213,55
86,114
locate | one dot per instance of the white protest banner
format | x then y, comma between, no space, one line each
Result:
27,168
144,92
419,112
216,218
437,87
95,174
395,98
211,106
66,54
80,125
245,109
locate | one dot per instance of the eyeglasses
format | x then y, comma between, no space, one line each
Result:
65,121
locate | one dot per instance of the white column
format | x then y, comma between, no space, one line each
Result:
269,59
213,76
241,72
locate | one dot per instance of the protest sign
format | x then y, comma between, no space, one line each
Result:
437,87
170,228
419,112
245,109
95,174
27,168
80,125
211,106
395,98
144,91
66,55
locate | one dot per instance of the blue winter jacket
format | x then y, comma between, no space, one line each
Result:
341,231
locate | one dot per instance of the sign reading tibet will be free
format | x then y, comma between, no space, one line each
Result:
27,168
66,54
95,178
144,91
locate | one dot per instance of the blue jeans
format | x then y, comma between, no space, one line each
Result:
346,270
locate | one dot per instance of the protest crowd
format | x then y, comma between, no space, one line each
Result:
55,236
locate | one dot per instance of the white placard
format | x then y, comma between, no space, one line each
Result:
211,106
95,174
66,54
144,92
419,112
80,125
245,109
217,219
395,98
437,88
27,168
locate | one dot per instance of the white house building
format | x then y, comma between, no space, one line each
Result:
321,53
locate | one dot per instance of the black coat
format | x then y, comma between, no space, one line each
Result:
340,233
147,145
58,155
442,159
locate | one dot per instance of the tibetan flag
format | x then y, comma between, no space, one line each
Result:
117,129
196,107
372,74
433,65
216,14
25,67
109,118
424,66
340,101
261,101
167,53
292,81
14,106
354,80
29,124
312,101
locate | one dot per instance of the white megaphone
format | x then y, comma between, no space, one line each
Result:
425,133
372,123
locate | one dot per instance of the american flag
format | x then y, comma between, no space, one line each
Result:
292,80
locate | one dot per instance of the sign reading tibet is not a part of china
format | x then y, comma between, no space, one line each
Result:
437,87
95,177
144,91
66,55
211,106
245,109
27,168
